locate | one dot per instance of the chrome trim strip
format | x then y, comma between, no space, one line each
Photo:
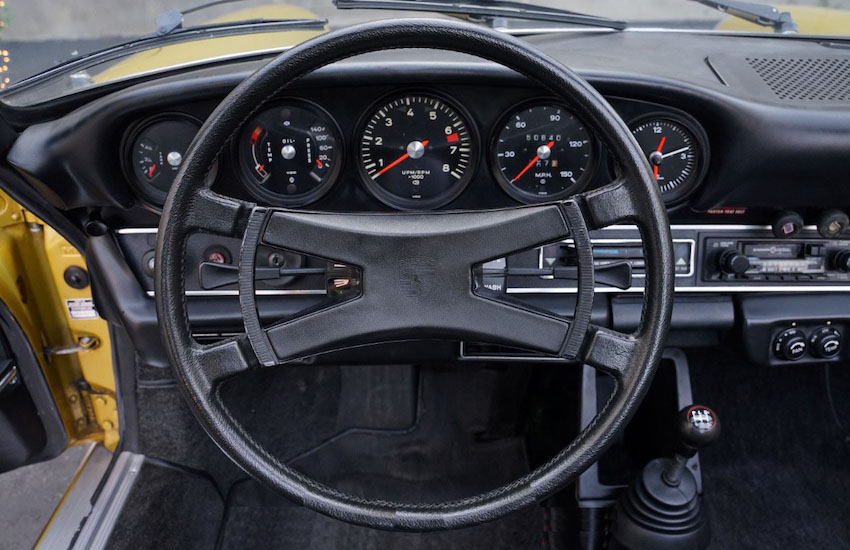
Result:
693,289
136,230
76,505
282,292
624,227
110,502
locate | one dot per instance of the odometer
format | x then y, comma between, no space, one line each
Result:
542,152
290,153
416,152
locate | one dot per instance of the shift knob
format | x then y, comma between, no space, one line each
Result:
697,427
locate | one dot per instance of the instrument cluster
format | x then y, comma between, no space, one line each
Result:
417,150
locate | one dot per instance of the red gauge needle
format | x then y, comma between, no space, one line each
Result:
658,150
150,172
397,161
530,164
319,163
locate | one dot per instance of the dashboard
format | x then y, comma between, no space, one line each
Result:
755,178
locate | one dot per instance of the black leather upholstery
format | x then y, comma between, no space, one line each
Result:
191,207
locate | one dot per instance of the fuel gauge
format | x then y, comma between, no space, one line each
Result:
157,150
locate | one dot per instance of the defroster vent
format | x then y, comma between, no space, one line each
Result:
805,79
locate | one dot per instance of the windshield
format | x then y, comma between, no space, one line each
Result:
36,35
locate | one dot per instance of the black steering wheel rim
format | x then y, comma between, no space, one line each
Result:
191,207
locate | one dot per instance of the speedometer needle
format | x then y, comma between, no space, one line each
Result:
397,161
530,164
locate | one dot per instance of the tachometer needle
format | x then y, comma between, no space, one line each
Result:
533,161
397,161
150,172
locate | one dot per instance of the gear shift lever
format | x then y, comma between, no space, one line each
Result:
697,427
661,508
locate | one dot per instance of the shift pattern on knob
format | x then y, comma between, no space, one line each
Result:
701,418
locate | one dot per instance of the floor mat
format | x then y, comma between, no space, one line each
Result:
259,519
455,443
779,476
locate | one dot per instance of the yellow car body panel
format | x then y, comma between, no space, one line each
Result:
810,20
33,260
186,53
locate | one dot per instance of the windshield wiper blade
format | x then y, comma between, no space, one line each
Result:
492,8
760,14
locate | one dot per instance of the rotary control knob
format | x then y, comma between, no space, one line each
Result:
733,262
841,260
825,342
790,345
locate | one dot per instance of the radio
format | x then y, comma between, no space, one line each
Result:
806,260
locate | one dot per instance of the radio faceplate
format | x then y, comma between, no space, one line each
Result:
755,261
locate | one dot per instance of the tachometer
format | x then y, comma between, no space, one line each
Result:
675,150
416,152
290,153
542,152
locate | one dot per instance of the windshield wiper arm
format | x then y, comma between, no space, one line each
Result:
492,8
760,14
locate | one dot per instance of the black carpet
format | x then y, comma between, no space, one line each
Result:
259,520
168,508
780,475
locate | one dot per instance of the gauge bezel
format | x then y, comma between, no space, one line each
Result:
529,198
275,199
682,192
148,194
414,205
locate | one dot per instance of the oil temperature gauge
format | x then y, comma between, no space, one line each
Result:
289,153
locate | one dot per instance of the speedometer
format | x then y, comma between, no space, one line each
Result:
289,153
542,152
416,151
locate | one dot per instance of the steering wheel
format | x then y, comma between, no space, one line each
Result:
437,253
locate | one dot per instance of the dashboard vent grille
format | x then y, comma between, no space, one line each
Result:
805,79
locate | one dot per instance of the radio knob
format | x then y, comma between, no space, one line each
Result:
841,260
790,345
733,262
825,342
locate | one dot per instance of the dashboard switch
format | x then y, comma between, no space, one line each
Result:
787,224
825,342
832,223
790,345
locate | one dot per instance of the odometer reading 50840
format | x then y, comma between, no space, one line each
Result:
542,152
416,152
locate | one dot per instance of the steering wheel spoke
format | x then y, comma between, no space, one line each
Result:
217,214
609,205
610,351
221,360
